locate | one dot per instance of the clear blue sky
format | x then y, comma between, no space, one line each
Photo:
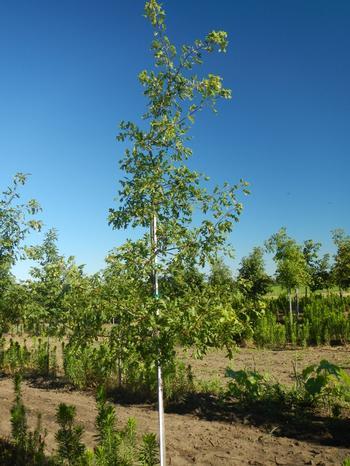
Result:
68,76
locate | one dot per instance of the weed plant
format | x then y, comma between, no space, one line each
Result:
249,386
322,385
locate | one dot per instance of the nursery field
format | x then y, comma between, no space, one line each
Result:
201,430
91,362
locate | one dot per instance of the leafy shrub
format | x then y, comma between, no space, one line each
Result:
213,386
139,378
43,358
15,358
88,366
319,385
178,381
2,352
268,332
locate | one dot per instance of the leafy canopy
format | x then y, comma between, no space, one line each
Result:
16,221
192,222
291,270
157,179
341,268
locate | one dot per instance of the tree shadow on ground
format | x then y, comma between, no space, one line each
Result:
49,383
126,396
272,418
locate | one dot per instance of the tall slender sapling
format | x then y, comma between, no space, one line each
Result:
159,192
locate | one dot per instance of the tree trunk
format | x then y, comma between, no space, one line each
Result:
290,309
297,301
48,357
154,246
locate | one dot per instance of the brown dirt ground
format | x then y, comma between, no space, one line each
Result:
200,434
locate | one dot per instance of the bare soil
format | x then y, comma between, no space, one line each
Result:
203,432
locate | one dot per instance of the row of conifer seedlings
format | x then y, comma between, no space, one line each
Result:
114,446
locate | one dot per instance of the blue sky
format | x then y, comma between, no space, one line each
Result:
68,77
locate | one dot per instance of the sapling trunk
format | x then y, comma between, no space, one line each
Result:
119,370
290,310
153,231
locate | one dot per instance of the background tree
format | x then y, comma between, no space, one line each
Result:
182,279
291,266
16,221
159,191
319,267
61,296
341,267
252,278
221,275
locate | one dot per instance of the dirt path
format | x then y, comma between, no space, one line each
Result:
278,364
191,439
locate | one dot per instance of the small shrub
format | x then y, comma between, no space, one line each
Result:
18,415
115,447
148,455
70,448
29,446
304,333
269,332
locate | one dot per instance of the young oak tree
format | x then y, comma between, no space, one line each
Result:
161,193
